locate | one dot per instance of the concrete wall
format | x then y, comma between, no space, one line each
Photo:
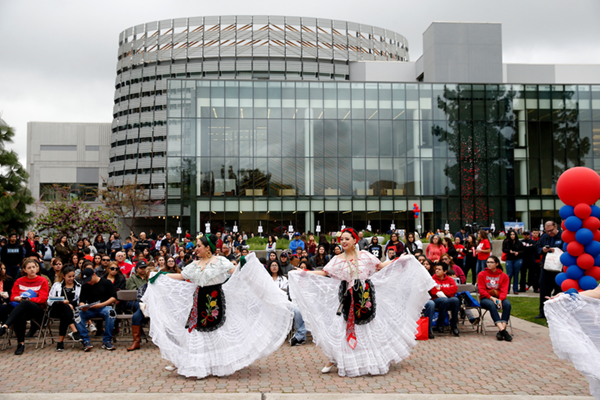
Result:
381,71
551,73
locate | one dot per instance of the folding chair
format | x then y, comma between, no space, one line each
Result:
125,296
474,291
40,326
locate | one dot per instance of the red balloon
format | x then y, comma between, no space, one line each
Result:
585,261
591,223
578,185
596,236
594,272
582,210
569,284
575,249
562,225
565,269
568,236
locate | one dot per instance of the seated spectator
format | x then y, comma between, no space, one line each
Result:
375,248
125,265
448,260
64,310
170,266
297,242
281,281
130,255
87,254
97,296
304,265
429,266
421,258
337,250
30,293
6,284
245,252
390,253
226,250
418,253
443,296
137,281
493,288
114,275
284,263
55,271
429,308
320,259
272,256
104,263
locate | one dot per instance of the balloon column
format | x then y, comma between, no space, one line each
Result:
579,189
416,210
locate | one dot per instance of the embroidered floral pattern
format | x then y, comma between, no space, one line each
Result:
365,304
361,300
208,309
212,309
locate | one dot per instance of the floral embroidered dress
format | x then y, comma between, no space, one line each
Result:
378,311
215,323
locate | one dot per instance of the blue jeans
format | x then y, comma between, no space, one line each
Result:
429,311
512,270
444,305
299,325
489,305
109,323
138,318
481,265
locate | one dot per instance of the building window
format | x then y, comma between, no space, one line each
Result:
58,147
54,191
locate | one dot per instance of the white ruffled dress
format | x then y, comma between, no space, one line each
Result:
258,318
401,291
574,323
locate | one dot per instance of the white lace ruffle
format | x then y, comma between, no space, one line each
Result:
574,323
401,290
258,318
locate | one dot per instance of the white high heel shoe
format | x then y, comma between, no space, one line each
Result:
170,368
327,369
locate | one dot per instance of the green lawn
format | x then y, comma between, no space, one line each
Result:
527,308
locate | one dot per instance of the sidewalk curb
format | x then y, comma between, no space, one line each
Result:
273,396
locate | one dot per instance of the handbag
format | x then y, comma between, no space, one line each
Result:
503,257
552,262
422,329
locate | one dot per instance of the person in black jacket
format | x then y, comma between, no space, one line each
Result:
6,284
549,241
530,270
513,248
100,245
12,255
320,259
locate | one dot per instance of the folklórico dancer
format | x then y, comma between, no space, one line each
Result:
215,318
573,321
365,318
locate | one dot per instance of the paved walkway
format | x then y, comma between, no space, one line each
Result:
470,364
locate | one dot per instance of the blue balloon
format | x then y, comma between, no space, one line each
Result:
593,249
566,212
567,260
560,278
573,224
597,261
417,214
584,236
587,283
574,272
596,211
565,244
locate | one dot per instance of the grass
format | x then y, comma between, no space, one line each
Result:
527,308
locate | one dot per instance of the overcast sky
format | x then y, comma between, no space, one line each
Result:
58,58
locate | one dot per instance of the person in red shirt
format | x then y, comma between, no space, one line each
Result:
124,265
493,288
460,249
29,307
442,295
484,249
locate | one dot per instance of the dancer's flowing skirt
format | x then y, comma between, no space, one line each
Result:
574,323
401,291
258,319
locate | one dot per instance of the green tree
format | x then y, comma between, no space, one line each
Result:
14,195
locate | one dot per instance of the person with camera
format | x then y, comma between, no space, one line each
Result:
69,290
550,240
97,296
29,295
493,287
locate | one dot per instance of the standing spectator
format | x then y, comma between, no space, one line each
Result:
411,245
79,248
99,244
484,249
89,245
362,242
435,249
375,248
115,245
47,252
320,259
239,241
470,258
219,244
12,255
493,288
395,243
450,249
442,295
297,242
550,240
271,244
98,290
31,246
461,235
64,310
6,284
530,271
311,246
513,248
460,251
31,293
142,244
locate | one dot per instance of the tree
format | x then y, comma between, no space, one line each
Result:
69,215
128,202
14,195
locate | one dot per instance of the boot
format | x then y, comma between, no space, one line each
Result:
137,338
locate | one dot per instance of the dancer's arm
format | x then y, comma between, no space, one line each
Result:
384,264
177,277
595,293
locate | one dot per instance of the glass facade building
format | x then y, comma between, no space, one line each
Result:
328,154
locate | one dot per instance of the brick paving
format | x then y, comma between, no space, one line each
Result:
472,364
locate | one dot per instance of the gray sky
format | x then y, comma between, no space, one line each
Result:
58,58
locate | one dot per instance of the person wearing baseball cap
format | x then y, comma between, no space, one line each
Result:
297,242
97,296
